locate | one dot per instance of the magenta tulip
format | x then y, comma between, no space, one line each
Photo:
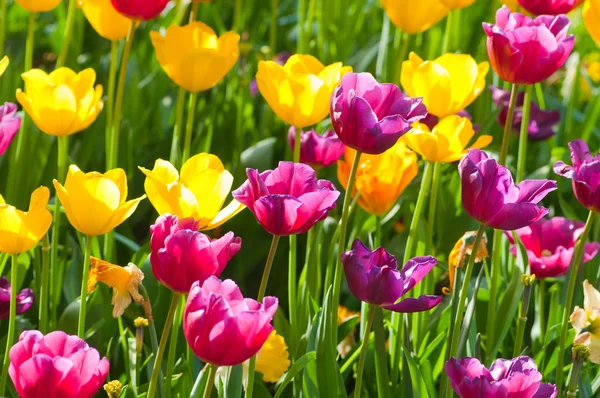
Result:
180,255
490,196
140,9
55,365
374,277
370,117
527,51
512,378
221,326
25,299
317,150
549,7
288,200
9,125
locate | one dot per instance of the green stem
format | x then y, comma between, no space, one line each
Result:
496,265
173,347
522,321
66,41
212,372
508,125
292,291
109,105
378,232
574,380
2,26
273,27
539,94
189,128
447,43
84,279
301,22
363,352
312,6
177,128
297,145
591,121
435,187
194,11
381,365
12,317
384,39
163,344
541,309
153,337
43,304
524,134
575,263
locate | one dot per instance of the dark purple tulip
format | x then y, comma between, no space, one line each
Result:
9,125
25,299
317,150
370,117
373,277
585,174
490,195
514,378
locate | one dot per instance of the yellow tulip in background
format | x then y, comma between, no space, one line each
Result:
38,5
194,57
448,84
299,91
412,16
448,140
455,4
591,19
63,102
199,192
586,321
105,19
20,231
380,179
273,358
3,65
95,203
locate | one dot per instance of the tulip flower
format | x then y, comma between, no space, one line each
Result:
288,200
20,231
447,84
586,321
198,192
38,5
541,123
299,91
221,326
527,51
55,365
3,64
105,19
550,244
25,299
10,123
490,196
95,203
591,19
583,174
431,120
456,4
140,9
516,377
317,150
380,179
422,15
181,256
194,56
448,140
374,277
63,102
371,117
549,7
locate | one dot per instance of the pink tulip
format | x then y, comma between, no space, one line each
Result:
55,365
317,150
143,10
549,7
221,326
9,125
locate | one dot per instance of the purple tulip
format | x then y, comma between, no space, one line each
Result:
288,200
549,7
585,174
25,299
527,51
431,120
9,125
370,117
490,195
512,378
373,277
541,123
317,150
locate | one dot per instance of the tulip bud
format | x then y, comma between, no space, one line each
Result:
139,323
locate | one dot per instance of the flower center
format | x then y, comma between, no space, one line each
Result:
546,253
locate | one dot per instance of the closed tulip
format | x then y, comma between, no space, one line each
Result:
95,203
591,19
20,231
105,19
3,64
194,56
198,192
63,102
25,299
299,91
414,17
455,4
380,179
447,84
10,123
38,5
549,7
140,9
583,174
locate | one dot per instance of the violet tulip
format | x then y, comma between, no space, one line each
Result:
317,150
288,200
549,7
550,244
221,326
180,255
584,174
490,195
370,117
140,9
25,299
374,277
9,125
55,365
527,51
516,377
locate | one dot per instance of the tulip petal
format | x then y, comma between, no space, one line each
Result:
408,305
228,212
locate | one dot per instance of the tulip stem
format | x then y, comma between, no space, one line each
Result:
173,347
153,336
301,22
177,128
575,263
541,288
508,125
524,134
2,26
435,187
292,267
189,128
363,352
66,41
447,44
161,347
496,265
522,321
212,372
110,106
43,310
84,279
272,28
575,375
10,336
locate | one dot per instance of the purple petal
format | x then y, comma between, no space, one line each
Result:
422,303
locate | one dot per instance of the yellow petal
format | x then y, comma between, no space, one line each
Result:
273,358
119,178
303,64
121,214
105,19
414,17
432,82
3,65
224,215
591,297
38,5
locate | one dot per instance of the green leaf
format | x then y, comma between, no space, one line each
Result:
234,386
345,328
507,311
297,367
419,388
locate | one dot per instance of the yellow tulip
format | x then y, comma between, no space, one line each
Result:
20,231
199,192
591,19
586,321
273,358
448,84
194,57
412,16
380,179
455,4
105,19
3,65
38,5
299,91
63,102
94,202
447,142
